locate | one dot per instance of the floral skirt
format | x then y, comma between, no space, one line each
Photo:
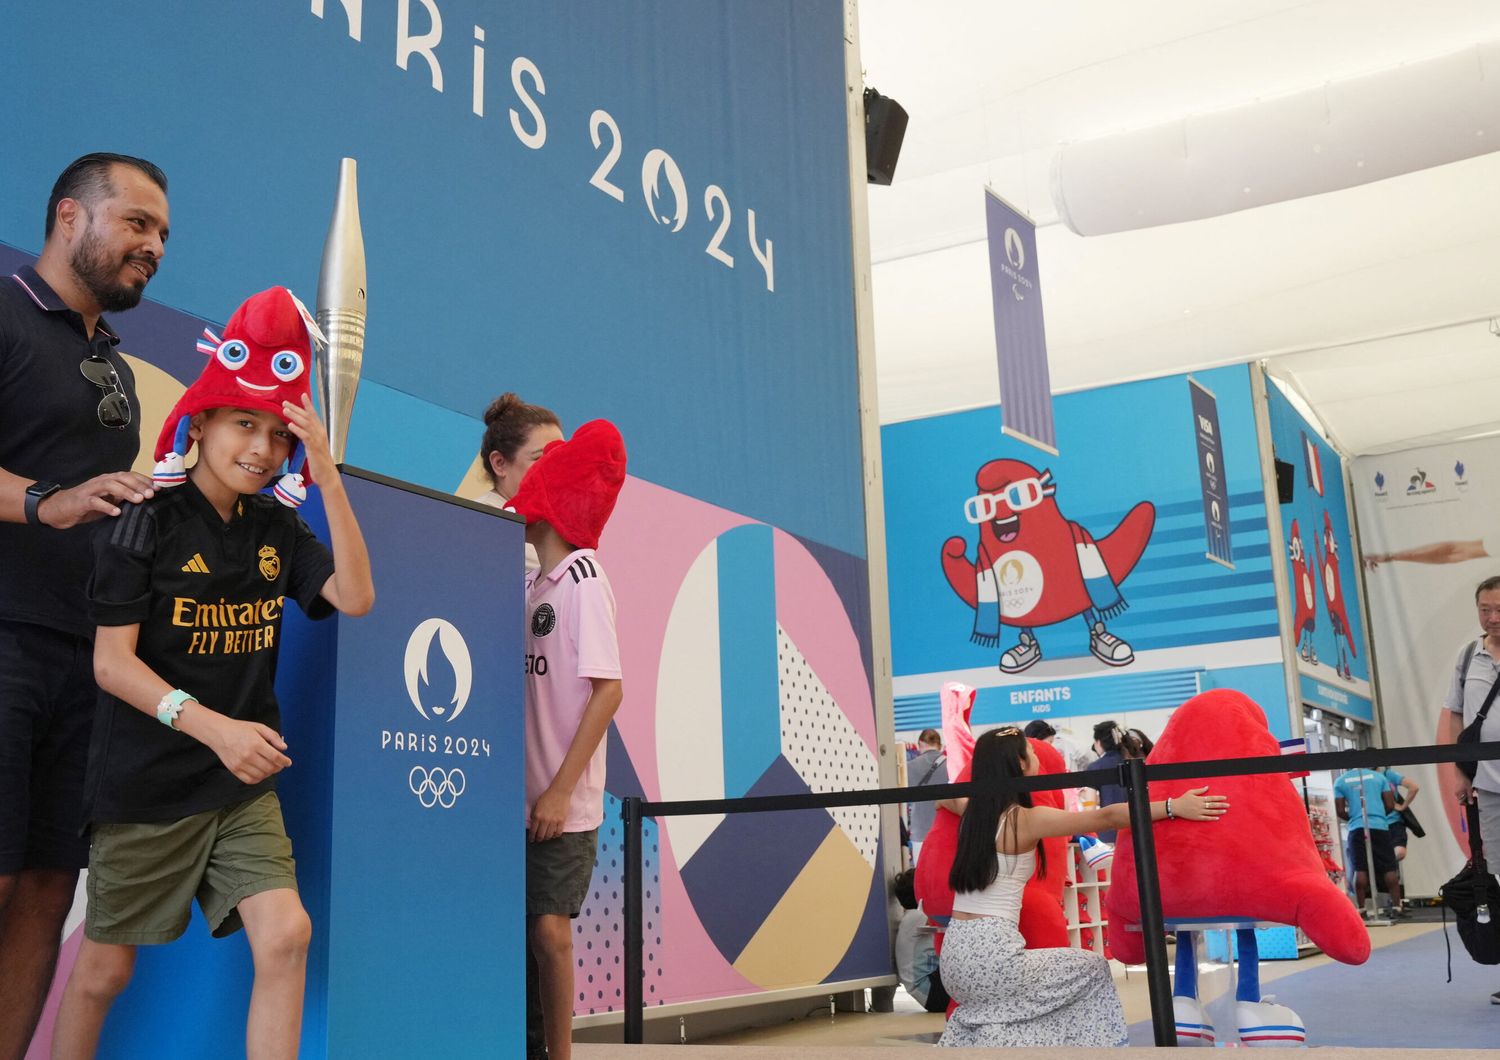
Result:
1010,996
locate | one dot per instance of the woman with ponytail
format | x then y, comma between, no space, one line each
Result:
515,433
1008,995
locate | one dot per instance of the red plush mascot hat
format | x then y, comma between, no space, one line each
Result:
263,359
574,485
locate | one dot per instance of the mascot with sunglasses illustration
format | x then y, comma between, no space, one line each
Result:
1036,567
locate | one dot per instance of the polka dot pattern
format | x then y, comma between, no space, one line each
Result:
824,748
599,931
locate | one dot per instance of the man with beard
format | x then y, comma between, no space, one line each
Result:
69,432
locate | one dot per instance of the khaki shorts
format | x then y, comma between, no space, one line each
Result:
558,873
143,877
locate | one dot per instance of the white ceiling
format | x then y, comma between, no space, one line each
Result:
1373,301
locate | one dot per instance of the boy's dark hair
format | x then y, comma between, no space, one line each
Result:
930,737
1037,729
1486,585
507,422
904,887
87,180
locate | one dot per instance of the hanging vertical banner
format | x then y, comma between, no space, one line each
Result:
1211,472
1020,336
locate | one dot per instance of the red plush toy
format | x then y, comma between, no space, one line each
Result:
1257,863
263,358
574,485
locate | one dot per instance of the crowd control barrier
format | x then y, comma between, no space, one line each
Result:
1134,774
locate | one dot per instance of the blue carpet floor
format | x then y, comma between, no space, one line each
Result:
1399,997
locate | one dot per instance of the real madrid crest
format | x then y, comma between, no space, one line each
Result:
270,563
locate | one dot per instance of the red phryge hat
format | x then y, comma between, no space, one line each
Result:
574,485
263,359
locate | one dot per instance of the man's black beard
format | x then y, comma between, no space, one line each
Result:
92,267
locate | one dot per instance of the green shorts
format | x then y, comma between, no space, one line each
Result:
143,877
558,873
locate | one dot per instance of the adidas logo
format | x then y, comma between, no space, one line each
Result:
196,565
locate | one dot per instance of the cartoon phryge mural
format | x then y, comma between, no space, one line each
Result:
1036,567
1333,596
1304,596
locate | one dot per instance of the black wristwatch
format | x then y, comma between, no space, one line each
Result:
36,493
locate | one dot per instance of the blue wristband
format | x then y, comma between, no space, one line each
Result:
171,706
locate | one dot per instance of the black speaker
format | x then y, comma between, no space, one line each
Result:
1286,481
885,128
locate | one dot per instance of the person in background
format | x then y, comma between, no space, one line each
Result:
927,767
1037,729
1107,741
1404,789
69,433
1364,799
915,952
1474,676
515,434
1142,741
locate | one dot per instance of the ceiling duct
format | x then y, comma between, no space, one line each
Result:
1340,135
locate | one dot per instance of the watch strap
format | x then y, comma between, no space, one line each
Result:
35,494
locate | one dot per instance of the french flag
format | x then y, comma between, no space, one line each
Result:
1294,747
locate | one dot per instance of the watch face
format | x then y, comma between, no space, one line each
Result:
42,489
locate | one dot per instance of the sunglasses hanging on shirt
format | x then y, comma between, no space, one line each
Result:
114,406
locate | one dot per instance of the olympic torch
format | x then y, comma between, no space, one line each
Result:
341,311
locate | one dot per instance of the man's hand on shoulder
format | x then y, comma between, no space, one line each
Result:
94,499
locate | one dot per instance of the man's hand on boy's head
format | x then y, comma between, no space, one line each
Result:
307,425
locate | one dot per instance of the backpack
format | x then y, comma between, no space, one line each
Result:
1474,897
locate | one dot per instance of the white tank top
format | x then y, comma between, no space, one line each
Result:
1003,896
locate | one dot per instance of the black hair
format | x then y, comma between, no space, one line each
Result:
1108,734
904,887
999,754
1037,729
87,180
1145,742
1486,585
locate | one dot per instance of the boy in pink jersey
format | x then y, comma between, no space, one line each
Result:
572,691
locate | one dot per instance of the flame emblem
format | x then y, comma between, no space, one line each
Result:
455,650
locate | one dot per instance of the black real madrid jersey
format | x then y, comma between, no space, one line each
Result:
208,596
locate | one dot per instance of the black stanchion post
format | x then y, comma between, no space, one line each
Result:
1163,1022
635,1001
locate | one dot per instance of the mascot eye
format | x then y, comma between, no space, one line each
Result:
287,365
233,355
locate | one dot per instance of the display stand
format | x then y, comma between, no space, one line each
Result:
405,805
1084,890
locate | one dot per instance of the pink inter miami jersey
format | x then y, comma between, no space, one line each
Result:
570,638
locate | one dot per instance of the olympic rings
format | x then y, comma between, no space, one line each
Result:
437,786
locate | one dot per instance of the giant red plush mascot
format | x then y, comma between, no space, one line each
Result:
1258,863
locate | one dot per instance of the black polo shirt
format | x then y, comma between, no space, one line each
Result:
208,597
50,430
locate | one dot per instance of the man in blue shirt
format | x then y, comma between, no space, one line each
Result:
1363,797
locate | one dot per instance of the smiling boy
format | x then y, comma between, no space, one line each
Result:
188,592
